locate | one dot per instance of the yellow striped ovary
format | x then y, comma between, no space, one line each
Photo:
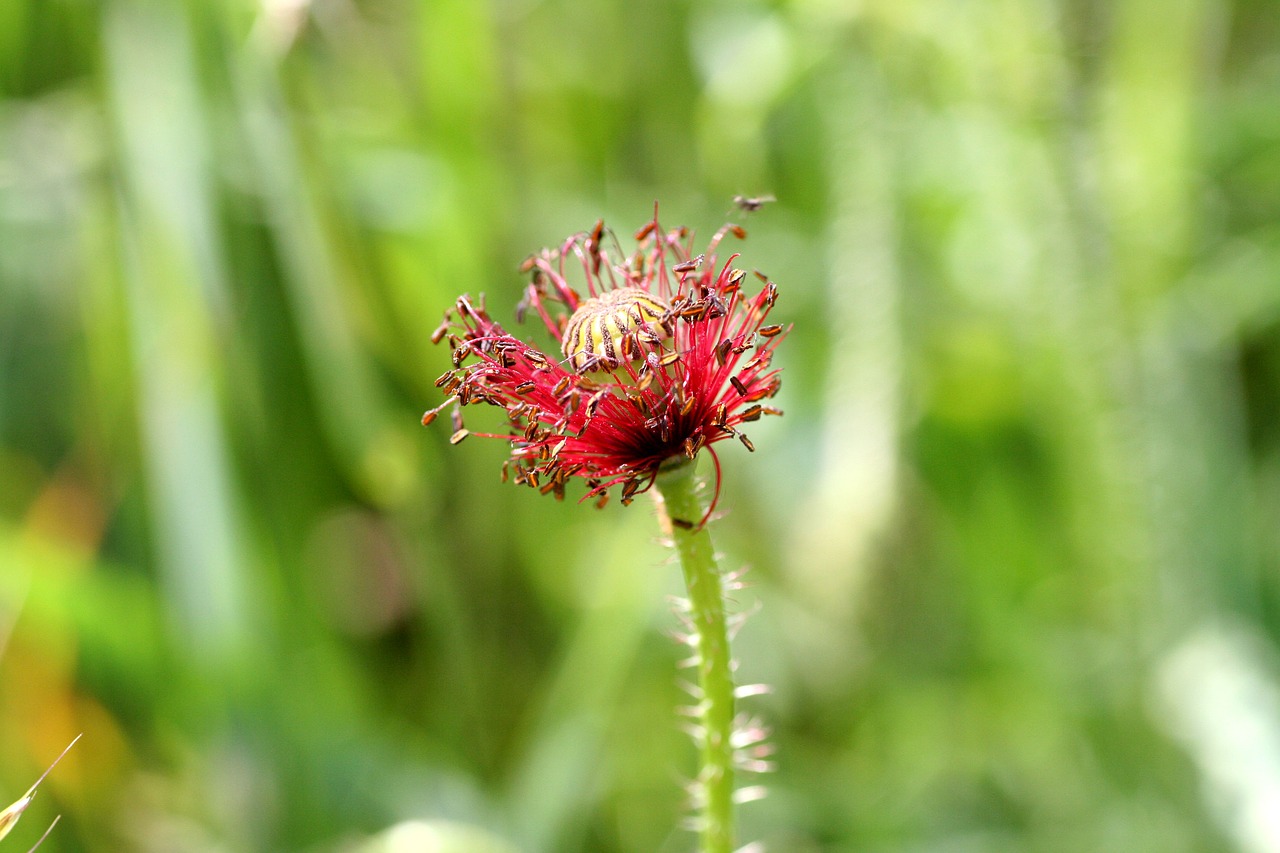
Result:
613,328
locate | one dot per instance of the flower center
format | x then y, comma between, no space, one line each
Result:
611,328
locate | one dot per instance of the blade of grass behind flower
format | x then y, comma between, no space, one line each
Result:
9,817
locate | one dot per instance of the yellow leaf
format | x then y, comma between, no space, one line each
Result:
9,817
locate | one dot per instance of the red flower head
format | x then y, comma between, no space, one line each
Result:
665,355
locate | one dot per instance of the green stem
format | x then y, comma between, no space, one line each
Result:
679,502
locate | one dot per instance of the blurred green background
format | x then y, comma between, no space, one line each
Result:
1014,546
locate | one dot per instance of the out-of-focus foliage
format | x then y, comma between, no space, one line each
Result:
1015,542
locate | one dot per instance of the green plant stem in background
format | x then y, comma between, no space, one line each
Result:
677,487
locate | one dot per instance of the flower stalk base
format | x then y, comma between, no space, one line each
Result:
713,790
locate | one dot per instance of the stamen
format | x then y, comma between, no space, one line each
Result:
722,351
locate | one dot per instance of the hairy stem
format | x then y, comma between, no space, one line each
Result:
714,785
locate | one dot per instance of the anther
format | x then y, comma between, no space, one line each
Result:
689,265
722,351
